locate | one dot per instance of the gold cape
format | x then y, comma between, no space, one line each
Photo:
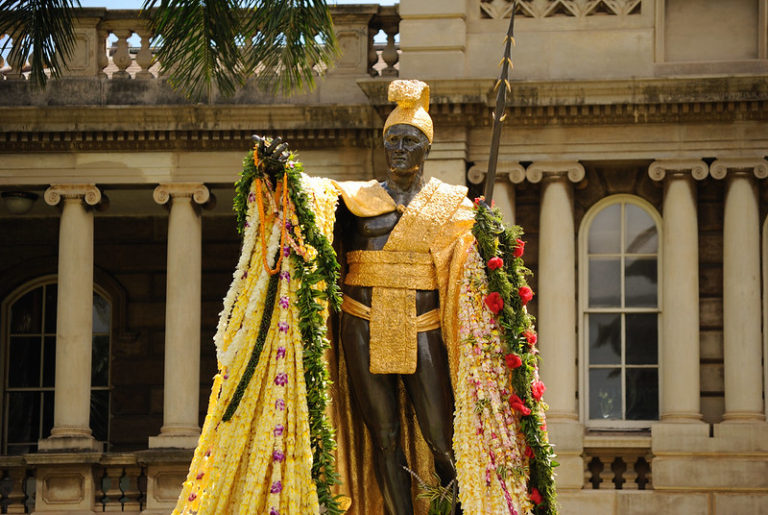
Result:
447,244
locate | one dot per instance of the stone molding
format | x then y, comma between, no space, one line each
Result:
720,168
89,193
514,172
198,192
697,168
538,170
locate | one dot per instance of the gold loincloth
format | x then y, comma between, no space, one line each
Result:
394,277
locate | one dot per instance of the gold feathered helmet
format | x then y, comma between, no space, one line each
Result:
412,97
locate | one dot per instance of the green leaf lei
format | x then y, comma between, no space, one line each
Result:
324,268
496,240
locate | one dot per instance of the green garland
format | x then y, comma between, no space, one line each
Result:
323,268
496,240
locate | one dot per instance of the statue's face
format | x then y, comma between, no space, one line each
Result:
406,147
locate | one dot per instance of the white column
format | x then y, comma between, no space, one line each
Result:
680,382
74,319
742,338
182,316
557,313
557,284
508,174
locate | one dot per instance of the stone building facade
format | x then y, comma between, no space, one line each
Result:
634,155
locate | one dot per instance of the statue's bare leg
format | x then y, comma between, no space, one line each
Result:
376,399
430,392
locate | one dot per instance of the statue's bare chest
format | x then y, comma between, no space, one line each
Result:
371,233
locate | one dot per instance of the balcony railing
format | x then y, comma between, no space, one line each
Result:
612,463
118,44
133,482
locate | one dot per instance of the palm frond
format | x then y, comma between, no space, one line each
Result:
41,31
219,45
199,44
290,39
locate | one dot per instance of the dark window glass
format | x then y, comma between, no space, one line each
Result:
24,417
642,339
605,393
641,287
604,283
102,314
642,394
51,291
605,339
47,414
100,361
100,414
30,353
26,313
24,362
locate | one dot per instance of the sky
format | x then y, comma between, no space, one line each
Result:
136,4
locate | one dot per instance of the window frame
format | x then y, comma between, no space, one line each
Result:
584,310
5,328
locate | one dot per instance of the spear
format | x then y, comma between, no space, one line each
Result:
502,88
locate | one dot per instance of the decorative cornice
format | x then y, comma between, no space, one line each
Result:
572,169
720,168
181,140
697,168
89,193
511,171
197,191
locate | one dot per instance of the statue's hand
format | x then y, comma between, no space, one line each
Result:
272,154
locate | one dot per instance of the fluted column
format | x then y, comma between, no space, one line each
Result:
557,283
74,318
182,315
680,382
508,174
741,288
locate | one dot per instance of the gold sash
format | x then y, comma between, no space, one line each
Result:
404,265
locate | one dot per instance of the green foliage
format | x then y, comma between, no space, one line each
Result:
209,46
496,240
41,31
199,44
441,498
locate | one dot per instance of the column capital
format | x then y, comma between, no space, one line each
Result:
720,168
697,168
87,192
513,171
572,169
198,192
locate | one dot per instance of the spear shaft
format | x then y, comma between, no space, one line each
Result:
502,88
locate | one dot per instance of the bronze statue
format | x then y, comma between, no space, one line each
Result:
433,297
429,387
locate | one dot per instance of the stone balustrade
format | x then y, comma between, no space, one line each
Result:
118,44
117,482
617,468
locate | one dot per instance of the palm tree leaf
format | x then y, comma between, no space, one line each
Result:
41,31
290,40
199,44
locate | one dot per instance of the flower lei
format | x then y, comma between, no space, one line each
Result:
272,449
501,249
314,263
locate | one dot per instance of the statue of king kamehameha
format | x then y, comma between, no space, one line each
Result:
430,372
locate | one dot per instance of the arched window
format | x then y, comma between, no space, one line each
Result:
620,307
29,356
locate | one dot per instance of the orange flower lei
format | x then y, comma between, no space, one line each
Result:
262,223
